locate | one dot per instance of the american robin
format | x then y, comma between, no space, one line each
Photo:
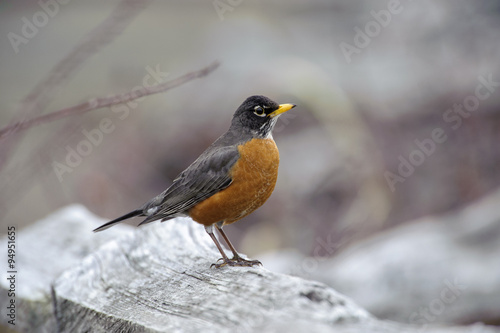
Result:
233,177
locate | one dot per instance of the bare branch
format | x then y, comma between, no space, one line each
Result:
44,92
101,102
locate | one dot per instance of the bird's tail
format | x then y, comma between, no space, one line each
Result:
105,226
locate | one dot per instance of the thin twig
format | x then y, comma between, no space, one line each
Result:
103,102
44,92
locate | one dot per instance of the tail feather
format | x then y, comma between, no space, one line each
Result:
105,226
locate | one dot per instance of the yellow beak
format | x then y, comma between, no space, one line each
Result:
282,109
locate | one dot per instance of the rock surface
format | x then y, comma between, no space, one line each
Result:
42,252
435,270
158,279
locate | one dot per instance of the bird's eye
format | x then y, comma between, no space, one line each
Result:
259,111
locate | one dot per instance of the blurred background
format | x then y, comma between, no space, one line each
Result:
397,118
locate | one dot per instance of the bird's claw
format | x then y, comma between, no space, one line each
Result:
235,261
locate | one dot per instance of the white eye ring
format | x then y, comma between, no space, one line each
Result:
259,111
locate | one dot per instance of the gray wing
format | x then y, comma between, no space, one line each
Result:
206,176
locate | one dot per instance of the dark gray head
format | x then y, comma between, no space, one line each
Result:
258,115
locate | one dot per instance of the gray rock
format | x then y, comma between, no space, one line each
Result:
435,270
158,279
43,251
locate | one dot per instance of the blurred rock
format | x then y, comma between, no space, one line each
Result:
42,252
438,269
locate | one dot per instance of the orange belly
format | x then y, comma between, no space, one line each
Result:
254,177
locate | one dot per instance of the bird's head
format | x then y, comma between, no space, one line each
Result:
258,114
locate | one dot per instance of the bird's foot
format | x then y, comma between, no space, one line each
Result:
236,261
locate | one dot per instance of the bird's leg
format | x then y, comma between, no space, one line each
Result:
235,253
236,260
225,259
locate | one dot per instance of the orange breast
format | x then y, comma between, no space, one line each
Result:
254,177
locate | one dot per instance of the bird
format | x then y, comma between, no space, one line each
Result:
233,177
